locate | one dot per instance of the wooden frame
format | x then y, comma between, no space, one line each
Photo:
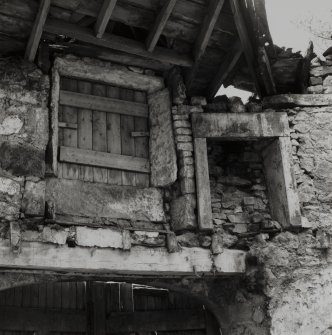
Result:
285,206
88,70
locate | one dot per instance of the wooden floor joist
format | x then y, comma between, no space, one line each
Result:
37,30
225,69
116,43
104,16
207,27
159,24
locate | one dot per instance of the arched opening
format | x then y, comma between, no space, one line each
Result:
100,308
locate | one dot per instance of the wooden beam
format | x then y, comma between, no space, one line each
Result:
104,159
207,27
245,41
98,103
31,320
152,261
240,125
225,69
37,30
104,16
159,24
156,321
266,72
116,42
204,208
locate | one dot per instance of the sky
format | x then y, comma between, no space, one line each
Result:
285,17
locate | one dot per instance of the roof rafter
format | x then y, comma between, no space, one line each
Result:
207,27
116,43
245,41
225,69
266,72
104,16
37,30
159,24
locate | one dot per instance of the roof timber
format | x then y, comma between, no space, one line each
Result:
104,16
207,27
225,69
245,41
37,30
116,43
160,24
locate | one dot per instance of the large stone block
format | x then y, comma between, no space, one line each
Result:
34,198
9,187
102,238
10,125
22,160
162,145
183,213
78,198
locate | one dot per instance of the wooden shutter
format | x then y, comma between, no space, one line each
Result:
162,146
103,133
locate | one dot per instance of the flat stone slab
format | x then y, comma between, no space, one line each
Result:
291,100
75,197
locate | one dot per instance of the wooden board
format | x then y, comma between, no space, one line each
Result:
103,104
204,215
156,321
103,159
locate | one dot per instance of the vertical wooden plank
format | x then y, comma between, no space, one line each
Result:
69,114
99,308
99,142
34,295
80,296
26,296
85,131
126,297
49,296
42,296
127,141
203,185
115,298
141,143
18,296
113,137
104,16
65,295
57,296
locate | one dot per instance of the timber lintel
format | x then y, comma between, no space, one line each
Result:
157,261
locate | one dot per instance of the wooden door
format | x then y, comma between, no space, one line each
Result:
96,308
103,133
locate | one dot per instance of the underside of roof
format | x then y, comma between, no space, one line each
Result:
214,42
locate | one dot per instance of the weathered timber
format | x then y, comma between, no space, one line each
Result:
104,73
292,100
157,321
37,30
240,125
110,55
161,141
266,72
104,16
79,198
245,40
140,134
207,27
98,299
159,24
204,210
32,320
68,125
284,204
103,104
104,159
225,69
156,261
116,42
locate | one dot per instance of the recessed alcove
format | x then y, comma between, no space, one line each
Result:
263,137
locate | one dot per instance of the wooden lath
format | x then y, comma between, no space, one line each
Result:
207,27
245,41
159,24
116,43
104,16
37,30
225,69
